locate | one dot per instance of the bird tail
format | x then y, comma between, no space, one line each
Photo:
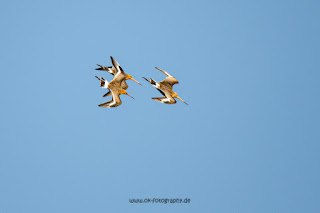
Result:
153,82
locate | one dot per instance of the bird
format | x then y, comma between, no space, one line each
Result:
115,89
165,88
113,71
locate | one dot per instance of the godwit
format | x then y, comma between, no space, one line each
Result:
115,89
113,71
165,88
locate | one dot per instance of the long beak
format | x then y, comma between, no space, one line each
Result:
135,81
98,78
181,100
129,95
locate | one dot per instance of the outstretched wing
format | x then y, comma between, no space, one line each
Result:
165,100
115,101
110,104
161,92
115,64
170,80
111,70
167,74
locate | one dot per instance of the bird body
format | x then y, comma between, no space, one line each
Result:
117,86
113,70
165,88
114,86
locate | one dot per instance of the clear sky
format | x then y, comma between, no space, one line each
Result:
247,142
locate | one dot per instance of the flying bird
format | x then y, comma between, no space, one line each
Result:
115,88
165,88
113,71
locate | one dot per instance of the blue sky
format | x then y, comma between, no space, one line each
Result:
247,142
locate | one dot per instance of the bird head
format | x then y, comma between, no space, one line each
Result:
125,92
130,77
175,95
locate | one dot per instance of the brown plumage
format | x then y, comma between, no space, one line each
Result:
114,86
113,71
165,88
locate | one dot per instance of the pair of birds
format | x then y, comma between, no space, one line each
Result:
117,86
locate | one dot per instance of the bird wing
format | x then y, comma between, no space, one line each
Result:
115,101
167,74
109,103
165,100
161,92
115,64
119,77
107,94
124,85
169,79
111,70
115,95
